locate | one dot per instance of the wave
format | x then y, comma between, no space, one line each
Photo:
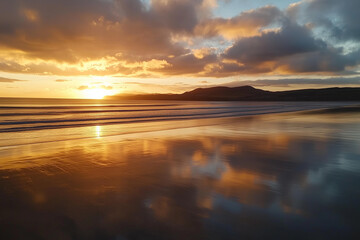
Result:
86,106
29,118
134,120
115,111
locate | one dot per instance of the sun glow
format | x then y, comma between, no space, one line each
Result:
96,93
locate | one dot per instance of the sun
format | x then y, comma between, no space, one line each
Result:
96,93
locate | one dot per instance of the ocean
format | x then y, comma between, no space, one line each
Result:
21,118
103,169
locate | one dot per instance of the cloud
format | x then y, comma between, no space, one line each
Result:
298,81
9,80
292,49
179,16
102,28
246,24
290,40
106,87
135,38
326,60
338,18
62,80
226,68
83,87
188,64
147,87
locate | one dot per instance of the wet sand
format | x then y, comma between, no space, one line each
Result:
289,176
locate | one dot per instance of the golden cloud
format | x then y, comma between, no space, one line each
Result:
165,38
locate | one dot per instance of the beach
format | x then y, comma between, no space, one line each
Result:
179,120
196,170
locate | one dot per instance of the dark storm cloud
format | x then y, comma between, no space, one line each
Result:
291,39
291,49
177,15
325,60
341,18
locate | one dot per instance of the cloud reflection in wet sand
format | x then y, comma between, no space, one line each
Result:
216,183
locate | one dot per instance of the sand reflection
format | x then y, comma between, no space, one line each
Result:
98,131
186,185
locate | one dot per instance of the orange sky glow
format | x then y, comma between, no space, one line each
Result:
96,48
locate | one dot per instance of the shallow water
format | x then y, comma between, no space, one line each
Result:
291,176
23,120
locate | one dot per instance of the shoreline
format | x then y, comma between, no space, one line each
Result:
151,125
274,168
122,132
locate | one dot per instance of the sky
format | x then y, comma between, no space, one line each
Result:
93,48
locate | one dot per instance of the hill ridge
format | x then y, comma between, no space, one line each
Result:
250,93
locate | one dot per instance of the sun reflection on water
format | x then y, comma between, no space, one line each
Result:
194,180
98,131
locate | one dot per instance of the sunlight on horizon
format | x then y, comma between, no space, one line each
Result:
96,93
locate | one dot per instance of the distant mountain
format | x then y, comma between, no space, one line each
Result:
225,93
249,93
